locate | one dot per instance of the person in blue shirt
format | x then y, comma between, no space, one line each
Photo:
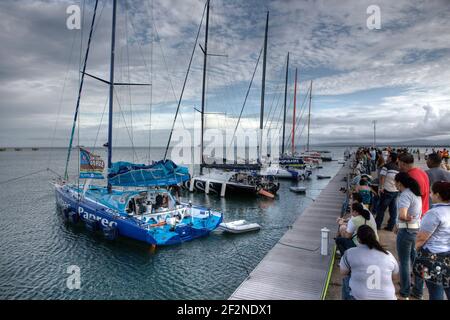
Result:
434,237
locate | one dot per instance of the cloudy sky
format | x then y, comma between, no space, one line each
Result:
398,75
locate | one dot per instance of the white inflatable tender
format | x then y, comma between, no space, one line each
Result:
238,226
298,189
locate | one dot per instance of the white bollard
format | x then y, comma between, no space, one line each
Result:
324,242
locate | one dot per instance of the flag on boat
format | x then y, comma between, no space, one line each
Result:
160,173
91,165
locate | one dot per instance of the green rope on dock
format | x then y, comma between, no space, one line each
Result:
330,271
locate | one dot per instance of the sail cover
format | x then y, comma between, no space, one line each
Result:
160,173
91,165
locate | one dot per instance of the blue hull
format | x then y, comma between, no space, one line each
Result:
105,219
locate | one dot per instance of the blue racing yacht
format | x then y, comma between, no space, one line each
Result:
135,202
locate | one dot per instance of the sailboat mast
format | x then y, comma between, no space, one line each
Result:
205,57
285,102
111,89
309,114
263,91
293,117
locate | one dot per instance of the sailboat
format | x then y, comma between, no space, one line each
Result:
314,156
238,178
289,166
135,202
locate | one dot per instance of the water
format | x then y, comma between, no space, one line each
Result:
36,247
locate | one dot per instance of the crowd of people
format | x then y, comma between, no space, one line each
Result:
418,204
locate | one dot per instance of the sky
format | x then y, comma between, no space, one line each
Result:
398,75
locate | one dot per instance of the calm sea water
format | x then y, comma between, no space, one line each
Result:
36,247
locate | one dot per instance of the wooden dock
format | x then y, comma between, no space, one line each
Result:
294,268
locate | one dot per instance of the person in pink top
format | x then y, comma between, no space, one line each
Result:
406,164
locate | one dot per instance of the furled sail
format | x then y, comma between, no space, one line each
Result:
160,173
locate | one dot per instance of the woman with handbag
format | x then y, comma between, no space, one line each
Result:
433,244
409,210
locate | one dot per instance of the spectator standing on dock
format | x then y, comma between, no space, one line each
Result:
380,163
433,241
373,156
409,212
435,172
388,193
406,164
368,269
445,155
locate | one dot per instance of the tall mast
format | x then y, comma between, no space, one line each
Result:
111,89
205,57
295,106
309,114
285,101
263,90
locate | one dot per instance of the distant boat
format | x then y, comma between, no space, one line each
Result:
35,149
17,149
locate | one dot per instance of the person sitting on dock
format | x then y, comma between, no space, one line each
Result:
347,231
364,190
359,266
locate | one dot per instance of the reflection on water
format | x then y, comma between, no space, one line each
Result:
36,247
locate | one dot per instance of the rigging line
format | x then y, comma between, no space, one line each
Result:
23,176
301,114
240,257
151,87
80,88
185,80
163,56
246,96
125,123
297,247
277,94
129,78
302,110
58,115
167,68
100,124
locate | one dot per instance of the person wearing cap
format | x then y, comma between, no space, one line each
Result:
406,164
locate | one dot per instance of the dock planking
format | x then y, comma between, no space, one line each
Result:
294,269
